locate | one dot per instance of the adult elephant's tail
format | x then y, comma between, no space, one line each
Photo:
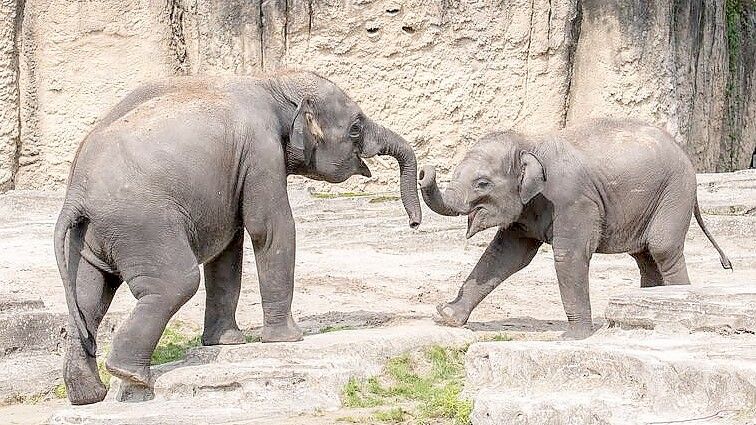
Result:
722,257
69,219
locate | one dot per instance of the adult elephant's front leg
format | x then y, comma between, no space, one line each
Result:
506,254
222,286
274,241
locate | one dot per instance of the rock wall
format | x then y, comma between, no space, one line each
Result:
439,72
9,122
77,58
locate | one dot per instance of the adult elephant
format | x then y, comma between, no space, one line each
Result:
169,180
606,186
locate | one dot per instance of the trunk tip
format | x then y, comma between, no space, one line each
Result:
427,176
415,217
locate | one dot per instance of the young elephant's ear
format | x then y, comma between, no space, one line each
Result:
305,133
532,177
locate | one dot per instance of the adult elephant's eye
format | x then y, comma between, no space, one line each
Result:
355,132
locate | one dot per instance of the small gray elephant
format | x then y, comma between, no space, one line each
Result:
171,178
605,186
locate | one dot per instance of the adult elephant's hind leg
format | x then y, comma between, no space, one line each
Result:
94,293
649,271
161,289
222,286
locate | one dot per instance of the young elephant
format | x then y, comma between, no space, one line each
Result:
605,186
170,179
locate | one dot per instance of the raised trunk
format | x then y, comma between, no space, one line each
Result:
447,203
381,141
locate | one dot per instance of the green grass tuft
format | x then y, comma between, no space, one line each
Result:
336,328
383,198
350,419
395,415
355,395
104,374
432,385
173,346
498,337
60,391
327,195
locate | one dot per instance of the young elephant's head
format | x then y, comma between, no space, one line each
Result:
491,185
328,135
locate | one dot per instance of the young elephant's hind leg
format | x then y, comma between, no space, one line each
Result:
222,285
649,271
666,238
160,289
671,262
94,293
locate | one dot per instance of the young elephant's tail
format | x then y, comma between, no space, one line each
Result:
69,219
722,257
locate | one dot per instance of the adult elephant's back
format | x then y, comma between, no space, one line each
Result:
174,155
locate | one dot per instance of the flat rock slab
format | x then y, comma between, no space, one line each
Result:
35,330
241,383
28,377
723,308
727,193
11,301
614,377
585,408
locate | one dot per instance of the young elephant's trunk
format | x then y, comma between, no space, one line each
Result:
448,203
380,140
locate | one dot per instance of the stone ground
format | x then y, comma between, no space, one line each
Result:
360,266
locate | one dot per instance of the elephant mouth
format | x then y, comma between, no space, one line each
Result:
475,222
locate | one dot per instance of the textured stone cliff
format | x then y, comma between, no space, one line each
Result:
439,72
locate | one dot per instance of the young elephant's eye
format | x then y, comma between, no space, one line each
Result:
482,184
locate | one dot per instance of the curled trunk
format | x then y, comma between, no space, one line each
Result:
446,203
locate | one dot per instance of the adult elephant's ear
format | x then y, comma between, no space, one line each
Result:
532,177
305,133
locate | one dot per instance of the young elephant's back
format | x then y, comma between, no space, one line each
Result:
636,168
628,151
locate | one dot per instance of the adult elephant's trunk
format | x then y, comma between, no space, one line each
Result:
448,203
379,140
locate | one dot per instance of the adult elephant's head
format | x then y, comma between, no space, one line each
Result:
491,185
328,135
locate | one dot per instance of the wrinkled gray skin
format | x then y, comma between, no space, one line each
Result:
170,179
605,186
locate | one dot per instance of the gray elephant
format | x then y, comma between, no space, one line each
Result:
170,179
605,186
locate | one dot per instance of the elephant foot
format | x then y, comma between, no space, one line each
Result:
135,374
578,331
227,336
288,332
452,315
83,384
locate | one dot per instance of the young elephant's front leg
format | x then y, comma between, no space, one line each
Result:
507,253
274,241
575,239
